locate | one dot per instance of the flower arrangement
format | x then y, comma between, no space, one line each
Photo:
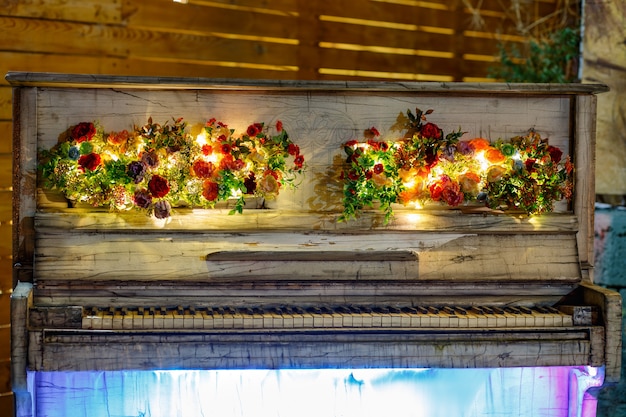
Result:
159,166
525,173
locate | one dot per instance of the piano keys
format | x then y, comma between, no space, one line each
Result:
327,317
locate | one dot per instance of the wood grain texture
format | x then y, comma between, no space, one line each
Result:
93,11
116,41
611,304
72,350
6,110
21,300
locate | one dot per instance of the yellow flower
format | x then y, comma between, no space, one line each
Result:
269,185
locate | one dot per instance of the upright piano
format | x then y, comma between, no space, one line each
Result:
287,284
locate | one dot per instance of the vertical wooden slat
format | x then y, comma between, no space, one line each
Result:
308,49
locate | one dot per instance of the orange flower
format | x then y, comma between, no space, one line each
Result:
479,144
494,156
380,179
117,138
407,196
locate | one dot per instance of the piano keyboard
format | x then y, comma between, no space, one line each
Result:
142,318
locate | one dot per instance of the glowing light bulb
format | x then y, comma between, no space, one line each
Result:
482,161
201,139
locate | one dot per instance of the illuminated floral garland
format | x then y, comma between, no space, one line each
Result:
525,174
159,166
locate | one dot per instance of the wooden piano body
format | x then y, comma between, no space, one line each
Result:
288,286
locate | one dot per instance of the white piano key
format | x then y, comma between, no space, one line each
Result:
434,319
405,318
307,320
127,319
188,318
228,318
277,319
287,318
218,318
247,315
147,319
159,319
117,323
298,318
257,319
137,319
168,319
237,320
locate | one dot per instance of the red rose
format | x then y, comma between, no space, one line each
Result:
83,131
378,169
202,168
254,129
436,188
452,194
375,145
353,175
226,162
447,190
90,161
298,161
158,186
530,165
293,149
431,130
207,150
210,190
279,126
555,154
225,148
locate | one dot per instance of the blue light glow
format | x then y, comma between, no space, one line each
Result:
540,391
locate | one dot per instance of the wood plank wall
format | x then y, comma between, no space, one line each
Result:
433,40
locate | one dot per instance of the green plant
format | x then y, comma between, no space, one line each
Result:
552,60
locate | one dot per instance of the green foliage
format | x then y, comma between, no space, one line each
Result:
552,60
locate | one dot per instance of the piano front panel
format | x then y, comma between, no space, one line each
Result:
258,349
